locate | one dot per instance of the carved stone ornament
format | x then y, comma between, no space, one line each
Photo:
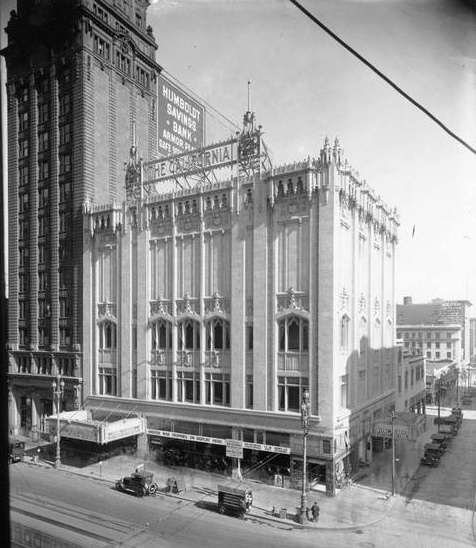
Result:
376,306
362,304
344,299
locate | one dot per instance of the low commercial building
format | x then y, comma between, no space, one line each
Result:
411,385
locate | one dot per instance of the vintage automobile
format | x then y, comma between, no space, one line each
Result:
433,450
16,450
234,499
429,460
139,484
441,439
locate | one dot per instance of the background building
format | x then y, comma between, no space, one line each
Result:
411,385
81,79
441,331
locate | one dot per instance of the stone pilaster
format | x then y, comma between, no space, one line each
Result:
33,205
54,211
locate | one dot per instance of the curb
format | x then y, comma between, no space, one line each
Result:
260,516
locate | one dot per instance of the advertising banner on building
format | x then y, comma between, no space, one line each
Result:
122,429
231,445
180,119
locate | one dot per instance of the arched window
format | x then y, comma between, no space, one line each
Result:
161,333
107,335
218,334
293,334
344,332
189,335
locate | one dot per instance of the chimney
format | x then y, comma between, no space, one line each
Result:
407,300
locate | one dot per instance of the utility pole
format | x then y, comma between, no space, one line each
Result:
438,384
58,392
305,429
393,453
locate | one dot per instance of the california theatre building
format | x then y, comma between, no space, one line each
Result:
222,287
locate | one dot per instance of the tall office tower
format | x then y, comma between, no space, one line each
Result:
81,86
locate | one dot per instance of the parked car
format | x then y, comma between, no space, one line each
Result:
139,484
433,450
16,450
429,460
441,439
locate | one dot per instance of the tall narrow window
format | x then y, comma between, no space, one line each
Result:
293,333
189,335
218,334
344,332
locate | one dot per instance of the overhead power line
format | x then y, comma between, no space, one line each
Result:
381,75
219,116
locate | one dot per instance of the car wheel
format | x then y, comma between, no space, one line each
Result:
153,488
221,509
118,485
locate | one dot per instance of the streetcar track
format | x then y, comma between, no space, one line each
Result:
75,512
61,524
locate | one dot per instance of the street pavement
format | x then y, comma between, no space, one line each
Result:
358,505
355,506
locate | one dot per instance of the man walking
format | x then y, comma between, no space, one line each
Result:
315,512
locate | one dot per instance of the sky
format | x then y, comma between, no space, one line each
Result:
305,86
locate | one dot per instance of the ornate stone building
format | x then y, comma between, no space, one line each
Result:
209,310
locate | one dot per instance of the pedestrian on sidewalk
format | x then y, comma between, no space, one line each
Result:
315,511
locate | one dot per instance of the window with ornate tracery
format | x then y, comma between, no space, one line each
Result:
188,335
107,335
293,334
344,332
218,334
161,334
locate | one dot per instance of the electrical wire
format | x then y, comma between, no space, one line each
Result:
233,127
381,75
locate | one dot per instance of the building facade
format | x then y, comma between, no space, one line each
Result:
210,310
411,384
81,80
441,331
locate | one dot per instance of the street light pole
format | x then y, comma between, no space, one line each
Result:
393,453
305,429
58,391
438,384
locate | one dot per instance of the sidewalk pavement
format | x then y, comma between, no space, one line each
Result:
354,507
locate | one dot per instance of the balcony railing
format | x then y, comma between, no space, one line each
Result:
188,358
161,357
107,356
218,358
293,361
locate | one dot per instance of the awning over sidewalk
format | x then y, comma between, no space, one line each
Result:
76,425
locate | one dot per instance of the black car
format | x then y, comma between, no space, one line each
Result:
139,484
16,450
429,460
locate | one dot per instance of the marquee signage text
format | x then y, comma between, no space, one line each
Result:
220,441
212,157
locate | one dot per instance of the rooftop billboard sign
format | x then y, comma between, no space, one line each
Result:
180,119
215,156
